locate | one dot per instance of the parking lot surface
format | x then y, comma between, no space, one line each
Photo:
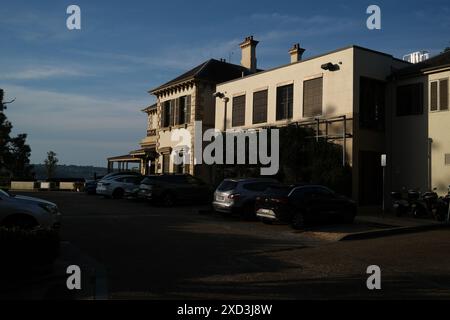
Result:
134,250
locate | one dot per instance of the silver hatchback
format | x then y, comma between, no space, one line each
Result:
238,196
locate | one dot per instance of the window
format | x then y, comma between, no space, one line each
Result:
439,95
166,114
260,107
284,102
166,163
183,110
447,159
312,97
238,111
410,99
371,104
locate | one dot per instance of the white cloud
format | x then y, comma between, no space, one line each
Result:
39,73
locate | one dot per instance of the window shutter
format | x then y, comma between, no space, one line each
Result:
260,107
434,96
187,114
238,117
312,97
443,94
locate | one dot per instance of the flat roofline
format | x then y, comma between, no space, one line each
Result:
316,57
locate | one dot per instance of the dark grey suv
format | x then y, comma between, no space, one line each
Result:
172,189
238,196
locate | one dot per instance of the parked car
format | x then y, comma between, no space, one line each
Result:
238,196
121,173
116,186
90,186
28,213
304,205
170,189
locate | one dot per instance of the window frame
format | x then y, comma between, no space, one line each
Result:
238,115
257,117
439,95
304,97
288,109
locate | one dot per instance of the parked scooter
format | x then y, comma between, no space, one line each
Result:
420,205
401,205
428,204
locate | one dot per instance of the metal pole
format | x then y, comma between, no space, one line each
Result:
383,209
344,148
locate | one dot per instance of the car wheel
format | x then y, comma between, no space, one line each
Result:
118,194
168,200
298,222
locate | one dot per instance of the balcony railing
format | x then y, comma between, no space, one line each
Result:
151,133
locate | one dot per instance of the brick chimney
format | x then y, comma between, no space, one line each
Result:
296,53
249,53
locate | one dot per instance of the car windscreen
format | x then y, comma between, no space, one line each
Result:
227,185
3,193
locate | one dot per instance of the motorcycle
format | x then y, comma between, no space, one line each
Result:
401,206
418,205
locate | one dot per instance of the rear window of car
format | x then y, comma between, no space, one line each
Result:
279,190
227,185
258,186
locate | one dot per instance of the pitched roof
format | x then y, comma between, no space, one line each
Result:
212,70
436,62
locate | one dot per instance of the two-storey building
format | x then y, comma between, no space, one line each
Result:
342,94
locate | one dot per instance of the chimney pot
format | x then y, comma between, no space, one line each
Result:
296,53
248,48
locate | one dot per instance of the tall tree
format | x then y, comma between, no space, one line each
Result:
14,152
50,164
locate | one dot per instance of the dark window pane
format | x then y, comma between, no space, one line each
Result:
227,186
434,96
238,111
443,94
284,102
312,97
166,163
372,104
260,107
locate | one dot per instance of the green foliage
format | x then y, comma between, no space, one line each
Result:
305,159
50,164
14,152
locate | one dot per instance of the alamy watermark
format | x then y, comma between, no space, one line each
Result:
237,147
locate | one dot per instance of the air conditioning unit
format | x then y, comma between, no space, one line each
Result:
417,57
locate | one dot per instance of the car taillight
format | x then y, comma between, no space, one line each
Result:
234,196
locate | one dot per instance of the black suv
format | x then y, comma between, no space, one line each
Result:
304,205
171,189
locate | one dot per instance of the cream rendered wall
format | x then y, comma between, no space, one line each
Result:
164,139
439,132
337,88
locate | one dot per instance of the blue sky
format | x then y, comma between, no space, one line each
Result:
79,93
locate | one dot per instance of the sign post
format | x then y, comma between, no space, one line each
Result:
383,165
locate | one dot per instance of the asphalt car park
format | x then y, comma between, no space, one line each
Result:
136,250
